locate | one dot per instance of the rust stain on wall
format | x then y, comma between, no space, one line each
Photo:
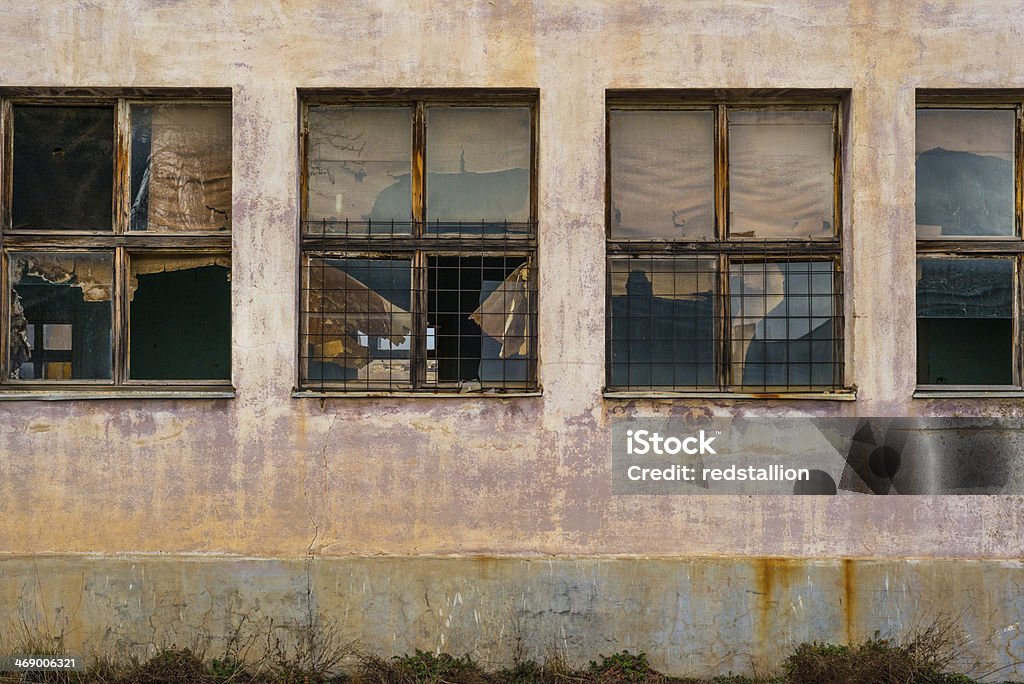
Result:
849,605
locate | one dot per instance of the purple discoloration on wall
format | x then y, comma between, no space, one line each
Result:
266,474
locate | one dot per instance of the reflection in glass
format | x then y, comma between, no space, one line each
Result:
61,316
180,317
781,174
357,328
478,168
662,174
181,167
359,167
964,321
965,171
63,168
784,324
663,322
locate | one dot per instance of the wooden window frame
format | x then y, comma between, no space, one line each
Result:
418,246
726,248
991,247
119,242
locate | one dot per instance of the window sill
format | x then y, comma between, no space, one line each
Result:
963,393
337,394
59,394
838,395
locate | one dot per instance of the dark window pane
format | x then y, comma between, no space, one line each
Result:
662,174
964,321
181,168
63,168
784,332
61,316
781,174
662,326
359,166
965,169
180,317
480,320
356,324
478,168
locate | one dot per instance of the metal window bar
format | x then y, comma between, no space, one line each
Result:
754,316
416,306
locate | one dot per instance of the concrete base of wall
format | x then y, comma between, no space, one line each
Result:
691,616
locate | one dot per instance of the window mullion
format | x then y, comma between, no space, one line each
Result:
418,362
6,164
1018,299
122,171
1016,322
723,316
419,166
721,172
119,294
121,225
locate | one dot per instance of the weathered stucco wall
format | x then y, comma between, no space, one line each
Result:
269,475
692,617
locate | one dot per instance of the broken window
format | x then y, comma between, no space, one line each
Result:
723,246
418,242
969,243
63,173
102,291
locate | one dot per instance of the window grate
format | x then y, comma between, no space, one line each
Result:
418,244
416,306
724,255
755,316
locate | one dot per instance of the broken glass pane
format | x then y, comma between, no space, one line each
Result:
478,169
662,174
784,332
781,174
965,172
359,169
965,321
357,326
181,167
63,168
61,316
663,322
479,311
180,317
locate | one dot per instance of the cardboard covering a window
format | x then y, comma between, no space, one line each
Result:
781,174
662,174
66,292
505,314
95,278
181,168
344,313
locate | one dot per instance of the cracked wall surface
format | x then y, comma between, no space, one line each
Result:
272,476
